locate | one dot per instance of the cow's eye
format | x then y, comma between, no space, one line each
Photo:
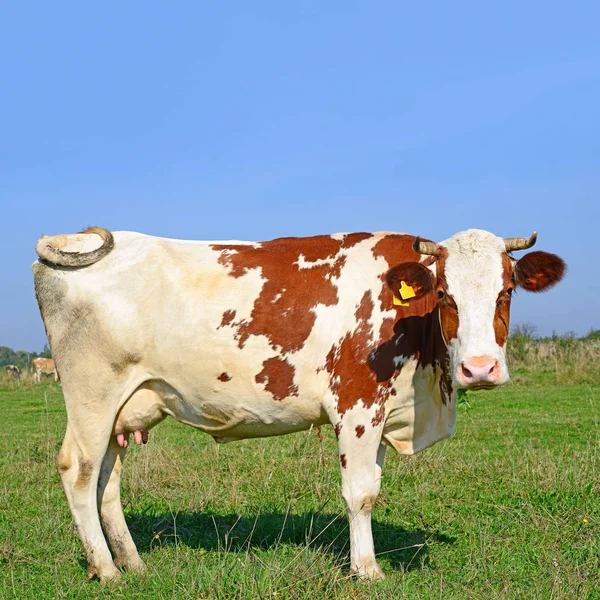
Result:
441,294
509,291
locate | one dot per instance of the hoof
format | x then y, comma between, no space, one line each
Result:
372,572
132,566
108,574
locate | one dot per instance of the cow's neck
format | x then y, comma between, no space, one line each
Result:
418,414
415,338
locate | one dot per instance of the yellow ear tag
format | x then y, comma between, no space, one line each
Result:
406,291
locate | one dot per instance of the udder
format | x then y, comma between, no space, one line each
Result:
139,414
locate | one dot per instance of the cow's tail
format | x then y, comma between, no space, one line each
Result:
76,249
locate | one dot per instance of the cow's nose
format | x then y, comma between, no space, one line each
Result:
480,370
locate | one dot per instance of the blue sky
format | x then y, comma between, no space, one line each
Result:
255,120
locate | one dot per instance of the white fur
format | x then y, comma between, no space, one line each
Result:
474,275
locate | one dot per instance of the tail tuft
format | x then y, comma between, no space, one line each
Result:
76,249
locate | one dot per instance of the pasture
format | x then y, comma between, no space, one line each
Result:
508,508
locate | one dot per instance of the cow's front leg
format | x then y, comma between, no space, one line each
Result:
361,458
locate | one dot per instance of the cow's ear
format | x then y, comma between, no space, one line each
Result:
539,271
414,275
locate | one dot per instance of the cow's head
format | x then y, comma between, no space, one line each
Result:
471,278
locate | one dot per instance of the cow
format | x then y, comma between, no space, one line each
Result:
43,366
373,333
14,371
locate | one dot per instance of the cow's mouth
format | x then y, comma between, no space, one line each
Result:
482,386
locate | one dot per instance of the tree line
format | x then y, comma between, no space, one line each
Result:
21,358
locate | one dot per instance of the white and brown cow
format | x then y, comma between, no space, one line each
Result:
43,366
13,371
247,340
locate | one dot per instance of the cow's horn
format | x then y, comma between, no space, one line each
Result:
424,247
520,243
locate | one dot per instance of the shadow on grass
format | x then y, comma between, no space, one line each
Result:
402,549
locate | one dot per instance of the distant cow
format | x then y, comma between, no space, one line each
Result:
373,333
14,371
43,366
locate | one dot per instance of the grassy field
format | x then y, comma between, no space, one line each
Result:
509,508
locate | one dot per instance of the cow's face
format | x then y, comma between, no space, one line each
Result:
471,281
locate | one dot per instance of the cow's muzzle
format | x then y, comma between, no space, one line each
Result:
480,372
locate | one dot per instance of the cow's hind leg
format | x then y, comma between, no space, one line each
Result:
361,458
111,511
79,463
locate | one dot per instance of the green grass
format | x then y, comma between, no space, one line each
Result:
508,508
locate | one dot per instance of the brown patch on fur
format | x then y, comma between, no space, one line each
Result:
447,306
508,276
379,415
278,374
337,429
502,316
351,239
360,431
343,461
449,317
283,310
364,310
85,474
396,248
228,317
351,380
387,327
338,265
539,271
224,377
